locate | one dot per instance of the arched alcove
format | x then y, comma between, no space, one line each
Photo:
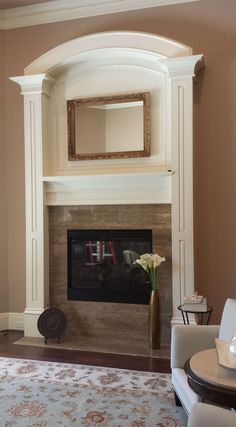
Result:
107,63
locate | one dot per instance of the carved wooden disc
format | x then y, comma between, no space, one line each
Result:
51,323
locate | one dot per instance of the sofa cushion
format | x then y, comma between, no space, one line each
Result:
228,320
180,383
204,415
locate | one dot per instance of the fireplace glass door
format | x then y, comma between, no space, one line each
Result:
101,265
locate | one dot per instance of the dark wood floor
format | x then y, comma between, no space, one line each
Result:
8,349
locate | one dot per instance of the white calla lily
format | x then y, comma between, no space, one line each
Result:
142,263
157,260
150,263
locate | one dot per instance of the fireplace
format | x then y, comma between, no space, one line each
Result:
101,265
105,320
161,66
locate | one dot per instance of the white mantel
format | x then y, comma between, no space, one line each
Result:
165,177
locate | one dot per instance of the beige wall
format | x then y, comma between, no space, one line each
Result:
209,28
3,192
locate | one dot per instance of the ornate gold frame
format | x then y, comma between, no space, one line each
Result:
71,105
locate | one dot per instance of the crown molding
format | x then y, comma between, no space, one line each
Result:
38,83
182,67
59,10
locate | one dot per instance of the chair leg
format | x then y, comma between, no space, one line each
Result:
177,401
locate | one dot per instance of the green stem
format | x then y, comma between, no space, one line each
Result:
153,277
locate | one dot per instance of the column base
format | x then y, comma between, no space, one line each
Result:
30,322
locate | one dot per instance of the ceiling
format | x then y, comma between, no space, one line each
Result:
9,4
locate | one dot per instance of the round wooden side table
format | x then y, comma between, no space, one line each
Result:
210,380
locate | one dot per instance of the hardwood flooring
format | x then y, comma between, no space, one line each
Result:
140,363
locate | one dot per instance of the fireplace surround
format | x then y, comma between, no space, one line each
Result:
110,321
89,66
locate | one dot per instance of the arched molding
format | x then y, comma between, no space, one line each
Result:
84,47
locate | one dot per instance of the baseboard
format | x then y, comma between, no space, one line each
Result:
4,321
12,321
16,321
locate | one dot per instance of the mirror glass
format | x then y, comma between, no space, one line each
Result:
109,127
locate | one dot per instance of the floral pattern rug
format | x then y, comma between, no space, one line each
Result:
42,394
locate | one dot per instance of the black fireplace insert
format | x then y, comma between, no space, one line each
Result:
101,265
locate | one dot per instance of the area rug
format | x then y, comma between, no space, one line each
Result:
43,394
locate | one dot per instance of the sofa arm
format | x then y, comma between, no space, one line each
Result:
187,340
205,415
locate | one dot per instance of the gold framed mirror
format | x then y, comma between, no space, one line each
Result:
109,127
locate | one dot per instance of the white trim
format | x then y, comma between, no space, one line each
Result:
59,10
16,321
182,196
186,66
4,321
35,90
34,84
13,321
108,189
31,316
126,42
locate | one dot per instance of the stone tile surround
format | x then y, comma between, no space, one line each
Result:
110,322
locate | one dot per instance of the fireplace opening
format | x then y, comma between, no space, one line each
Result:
101,265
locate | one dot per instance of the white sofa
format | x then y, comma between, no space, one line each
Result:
204,415
186,340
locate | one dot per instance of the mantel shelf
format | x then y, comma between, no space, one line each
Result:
115,176
108,189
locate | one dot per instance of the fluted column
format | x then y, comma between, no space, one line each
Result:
35,90
180,73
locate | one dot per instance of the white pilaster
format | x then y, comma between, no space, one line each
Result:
35,90
180,81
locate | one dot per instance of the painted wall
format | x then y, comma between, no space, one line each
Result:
3,193
209,28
